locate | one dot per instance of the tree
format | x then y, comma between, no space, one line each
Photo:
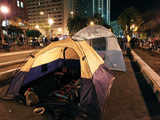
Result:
128,17
76,23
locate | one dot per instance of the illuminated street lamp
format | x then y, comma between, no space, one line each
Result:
71,12
59,30
91,23
50,21
4,9
41,13
37,26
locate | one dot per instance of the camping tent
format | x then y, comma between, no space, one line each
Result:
113,54
95,78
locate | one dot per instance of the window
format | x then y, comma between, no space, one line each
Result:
5,23
18,3
22,5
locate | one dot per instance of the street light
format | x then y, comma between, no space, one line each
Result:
37,26
50,21
59,30
71,12
41,13
91,23
4,10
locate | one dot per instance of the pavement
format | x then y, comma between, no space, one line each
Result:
126,101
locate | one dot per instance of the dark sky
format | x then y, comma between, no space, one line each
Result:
118,6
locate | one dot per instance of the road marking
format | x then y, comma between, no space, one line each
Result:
12,62
17,53
8,71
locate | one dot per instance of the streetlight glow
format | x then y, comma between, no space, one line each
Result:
4,9
50,21
59,29
71,12
41,13
37,26
91,23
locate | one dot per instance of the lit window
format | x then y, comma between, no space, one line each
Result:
22,5
18,3
5,23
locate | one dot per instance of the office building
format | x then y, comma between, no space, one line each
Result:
90,7
16,15
16,8
40,11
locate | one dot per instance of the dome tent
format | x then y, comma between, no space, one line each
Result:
95,79
113,54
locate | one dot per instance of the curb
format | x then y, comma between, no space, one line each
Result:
152,77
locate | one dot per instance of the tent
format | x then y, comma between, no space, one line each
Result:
95,79
113,54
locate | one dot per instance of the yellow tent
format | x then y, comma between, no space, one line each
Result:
89,59
95,79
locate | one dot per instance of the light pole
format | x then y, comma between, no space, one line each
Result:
72,13
50,22
4,10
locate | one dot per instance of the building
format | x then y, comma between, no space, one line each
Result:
17,12
90,7
41,11
16,8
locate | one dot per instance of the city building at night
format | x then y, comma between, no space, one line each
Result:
49,16
16,14
91,7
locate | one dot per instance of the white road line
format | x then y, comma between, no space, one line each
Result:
16,53
8,71
11,62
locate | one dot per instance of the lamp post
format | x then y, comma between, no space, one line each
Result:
50,22
72,13
4,10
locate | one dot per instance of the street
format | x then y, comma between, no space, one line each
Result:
131,98
10,58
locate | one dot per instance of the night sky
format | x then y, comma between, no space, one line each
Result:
118,6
